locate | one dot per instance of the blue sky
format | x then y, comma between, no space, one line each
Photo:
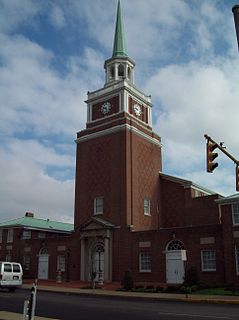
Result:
52,52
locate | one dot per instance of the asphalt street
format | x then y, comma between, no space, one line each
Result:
68,306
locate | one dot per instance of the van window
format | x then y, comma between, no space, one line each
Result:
16,268
7,267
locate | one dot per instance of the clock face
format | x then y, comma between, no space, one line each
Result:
105,108
137,110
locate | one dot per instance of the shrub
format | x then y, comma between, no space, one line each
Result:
191,277
128,281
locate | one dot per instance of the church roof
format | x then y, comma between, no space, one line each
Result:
119,49
229,199
39,224
187,183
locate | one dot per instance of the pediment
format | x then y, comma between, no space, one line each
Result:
97,224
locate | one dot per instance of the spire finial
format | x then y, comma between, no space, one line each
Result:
119,40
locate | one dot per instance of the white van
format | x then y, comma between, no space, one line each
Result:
10,275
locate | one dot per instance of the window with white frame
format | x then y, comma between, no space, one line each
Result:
61,263
145,262
208,260
98,205
235,213
237,259
41,235
8,257
147,207
26,234
0,235
10,235
26,263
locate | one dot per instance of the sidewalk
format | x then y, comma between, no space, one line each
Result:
109,290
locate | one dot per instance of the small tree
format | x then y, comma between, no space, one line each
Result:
128,281
191,276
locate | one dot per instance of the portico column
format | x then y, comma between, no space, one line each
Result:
82,260
107,259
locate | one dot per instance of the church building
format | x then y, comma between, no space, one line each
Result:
129,215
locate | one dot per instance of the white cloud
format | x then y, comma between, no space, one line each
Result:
26,187
57,17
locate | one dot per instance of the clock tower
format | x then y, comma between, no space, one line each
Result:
118,160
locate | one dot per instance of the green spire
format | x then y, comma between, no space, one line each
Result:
119,40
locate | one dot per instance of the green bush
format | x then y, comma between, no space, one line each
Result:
191,277
128,281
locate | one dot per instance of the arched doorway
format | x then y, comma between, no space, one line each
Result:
175,266
97,261
43,259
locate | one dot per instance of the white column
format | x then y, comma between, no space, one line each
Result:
82,260
107,259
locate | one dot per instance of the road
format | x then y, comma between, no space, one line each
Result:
65,307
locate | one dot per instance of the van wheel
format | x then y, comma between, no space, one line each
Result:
12,289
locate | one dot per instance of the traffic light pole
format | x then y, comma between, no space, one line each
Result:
223,149
220,146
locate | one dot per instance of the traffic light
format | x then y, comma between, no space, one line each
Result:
211,156
237,177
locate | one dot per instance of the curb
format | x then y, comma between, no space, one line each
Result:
132,296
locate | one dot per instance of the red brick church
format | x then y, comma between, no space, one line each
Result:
129,215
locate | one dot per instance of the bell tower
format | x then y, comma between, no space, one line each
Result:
118,156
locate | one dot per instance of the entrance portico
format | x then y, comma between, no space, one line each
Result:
96,250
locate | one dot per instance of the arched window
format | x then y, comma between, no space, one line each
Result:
175,245
43,251
112,72
121,70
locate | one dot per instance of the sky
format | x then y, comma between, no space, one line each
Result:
53,51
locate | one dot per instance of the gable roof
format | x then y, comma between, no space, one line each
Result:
38,224
187,183
230,199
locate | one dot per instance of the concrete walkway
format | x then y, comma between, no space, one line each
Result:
110,290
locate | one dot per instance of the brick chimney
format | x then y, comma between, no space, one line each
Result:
29,214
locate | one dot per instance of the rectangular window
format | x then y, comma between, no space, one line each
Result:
147,207
237,259
26,234
98,205
208,260
61,263
26,263
10,235
9,257
145,262
235,213
0,235
41,235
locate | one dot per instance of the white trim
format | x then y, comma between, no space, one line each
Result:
116,129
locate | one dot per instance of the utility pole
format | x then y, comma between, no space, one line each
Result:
235,11
211,156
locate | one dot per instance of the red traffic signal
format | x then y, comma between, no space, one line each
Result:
211,156
237,178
